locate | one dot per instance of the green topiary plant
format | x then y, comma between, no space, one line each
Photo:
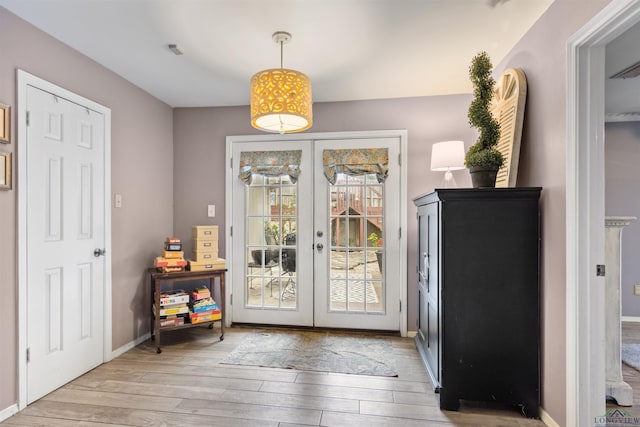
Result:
483,154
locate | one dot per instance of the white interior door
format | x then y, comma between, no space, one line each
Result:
288,268
65,215
357,243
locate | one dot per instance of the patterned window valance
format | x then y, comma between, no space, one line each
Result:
270,163
354,162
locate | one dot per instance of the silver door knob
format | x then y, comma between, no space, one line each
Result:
319,246
99,252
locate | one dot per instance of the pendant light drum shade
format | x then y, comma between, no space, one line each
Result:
281,101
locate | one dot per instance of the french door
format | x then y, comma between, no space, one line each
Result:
272,260
356,231
308,252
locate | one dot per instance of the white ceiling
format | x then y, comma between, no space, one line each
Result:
351,49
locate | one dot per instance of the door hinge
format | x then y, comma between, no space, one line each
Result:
231,231
28,355
231,162
600,270
399,233
400,306
230,300
28,117
399,160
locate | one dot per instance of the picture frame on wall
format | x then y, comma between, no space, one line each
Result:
5,124
5,171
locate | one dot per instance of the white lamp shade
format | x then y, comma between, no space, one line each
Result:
447,155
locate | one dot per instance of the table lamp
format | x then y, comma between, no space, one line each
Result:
447,156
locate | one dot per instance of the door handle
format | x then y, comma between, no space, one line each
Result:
99,252
319,247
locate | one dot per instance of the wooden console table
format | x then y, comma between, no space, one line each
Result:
157,279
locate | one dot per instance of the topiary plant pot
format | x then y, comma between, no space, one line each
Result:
482,177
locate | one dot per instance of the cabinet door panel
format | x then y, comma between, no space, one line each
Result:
432,269
433,340
423,324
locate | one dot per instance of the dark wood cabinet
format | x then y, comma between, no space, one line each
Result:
478,285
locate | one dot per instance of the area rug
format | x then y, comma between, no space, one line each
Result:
631,355
316,351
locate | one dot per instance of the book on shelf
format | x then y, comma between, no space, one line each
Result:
204,304
206,316
169,262
172,309
200,293
172,321
175,247
174,297
172,254
171,269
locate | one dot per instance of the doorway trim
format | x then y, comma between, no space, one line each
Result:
585,381
25,79
401,134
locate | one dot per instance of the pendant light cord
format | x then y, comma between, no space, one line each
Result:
281,44
281,67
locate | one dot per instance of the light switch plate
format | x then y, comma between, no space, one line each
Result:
118,200
636,289
211,211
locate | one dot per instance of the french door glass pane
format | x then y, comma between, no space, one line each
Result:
271,278
356,273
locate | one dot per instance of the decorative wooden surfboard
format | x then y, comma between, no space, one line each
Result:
508,103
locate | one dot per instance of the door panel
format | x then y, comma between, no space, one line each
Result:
272,227
65,217
357,227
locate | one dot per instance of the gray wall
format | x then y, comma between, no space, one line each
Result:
142,160
542,54
200,154
622,198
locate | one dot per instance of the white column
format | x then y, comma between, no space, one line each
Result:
616,387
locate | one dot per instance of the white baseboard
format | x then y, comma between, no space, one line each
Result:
630,319
129,346
7,412
547,420
412,334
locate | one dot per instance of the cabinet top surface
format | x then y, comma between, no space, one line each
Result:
443,194
155,274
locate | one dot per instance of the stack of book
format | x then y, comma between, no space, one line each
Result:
202,307
172,258
174,308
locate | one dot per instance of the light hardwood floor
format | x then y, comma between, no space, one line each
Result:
186,385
